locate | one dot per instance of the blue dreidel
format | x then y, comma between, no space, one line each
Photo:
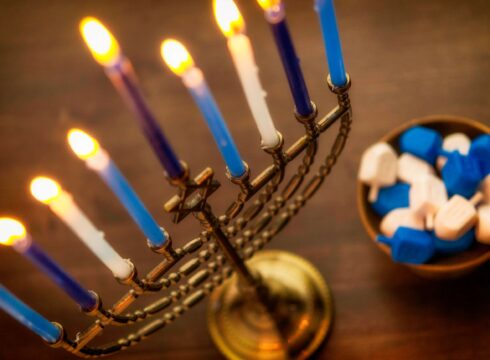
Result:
410,245
480,150
454,246
461,175
390,198
422,142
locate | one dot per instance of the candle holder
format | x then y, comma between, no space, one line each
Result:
274,306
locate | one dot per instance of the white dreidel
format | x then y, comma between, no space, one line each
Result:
456,217
483,225
405,217
455,142
378,168
410,168
427,195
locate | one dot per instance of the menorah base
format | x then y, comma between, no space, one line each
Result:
293,325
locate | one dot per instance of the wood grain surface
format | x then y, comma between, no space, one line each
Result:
407,59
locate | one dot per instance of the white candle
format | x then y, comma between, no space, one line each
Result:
62,204
231,23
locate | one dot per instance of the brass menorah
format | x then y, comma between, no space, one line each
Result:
271,306
274,306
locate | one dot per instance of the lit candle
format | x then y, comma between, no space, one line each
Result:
275,15
49,192
97,159
330,31
13,233
106,51
28,317
232,25
181,63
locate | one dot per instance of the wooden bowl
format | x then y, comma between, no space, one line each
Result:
447,266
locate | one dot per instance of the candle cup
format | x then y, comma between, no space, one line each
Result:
14,234
50,332
231,23
275,15
106,51
181,63
331,38
62,204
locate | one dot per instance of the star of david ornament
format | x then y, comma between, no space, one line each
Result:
193,195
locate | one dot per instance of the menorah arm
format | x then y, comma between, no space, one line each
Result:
258,240
79,345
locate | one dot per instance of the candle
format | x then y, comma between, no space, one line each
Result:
276,16
181,63
28,317
97,159
49,192
330,31
106,51
231,23
13,233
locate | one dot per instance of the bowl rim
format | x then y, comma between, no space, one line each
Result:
370,229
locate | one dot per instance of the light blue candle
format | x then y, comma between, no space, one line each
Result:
97,159
181,63
28,317
330,32
133,204
207,105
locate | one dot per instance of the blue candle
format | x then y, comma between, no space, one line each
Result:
276,16
124,81
87,148
13,233
28,317
330,31
105,49
133,204
180,61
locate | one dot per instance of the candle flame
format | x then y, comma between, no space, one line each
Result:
11,230
102,44
228,17
45,189
269,4
176,56
82,144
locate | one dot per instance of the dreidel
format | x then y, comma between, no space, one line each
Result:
427,195
422,142
461,174
396,218
410,245
455,142
378,168
480,150
390,198
456,217
483,225
461,244
410,168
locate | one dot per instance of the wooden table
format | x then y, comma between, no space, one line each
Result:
407,59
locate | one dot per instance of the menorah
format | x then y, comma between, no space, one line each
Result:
278,301
273,305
